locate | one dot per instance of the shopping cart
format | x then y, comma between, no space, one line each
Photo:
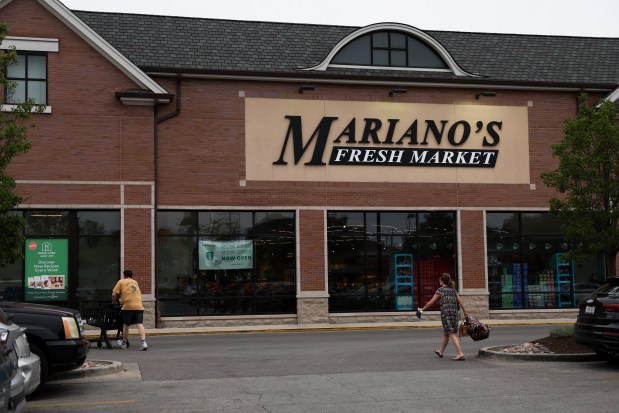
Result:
105,318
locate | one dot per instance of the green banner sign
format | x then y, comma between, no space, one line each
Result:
226,255
47,269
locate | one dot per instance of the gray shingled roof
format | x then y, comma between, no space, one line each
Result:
282,49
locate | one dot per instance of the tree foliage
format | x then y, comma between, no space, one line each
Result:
588,179
14,126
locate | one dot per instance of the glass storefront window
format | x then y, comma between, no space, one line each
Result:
98,267
362,250
540,223
12,281
397,223
269,286
502,224
98,223
93,242
177,223
437,222
527,266
48,223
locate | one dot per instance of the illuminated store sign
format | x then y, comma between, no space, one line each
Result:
310,140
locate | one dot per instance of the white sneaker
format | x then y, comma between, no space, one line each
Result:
123,344
143,346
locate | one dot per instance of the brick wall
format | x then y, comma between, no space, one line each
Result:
137,247
472,249
312,259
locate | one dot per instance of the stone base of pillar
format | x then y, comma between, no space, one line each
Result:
149,314
313,310
476,303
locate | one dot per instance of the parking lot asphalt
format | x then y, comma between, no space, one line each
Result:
96,368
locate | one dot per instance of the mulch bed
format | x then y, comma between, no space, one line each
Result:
563,345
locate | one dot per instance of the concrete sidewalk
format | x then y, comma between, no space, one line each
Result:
94,333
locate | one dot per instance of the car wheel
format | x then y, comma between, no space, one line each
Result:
44,364
608,356
602,354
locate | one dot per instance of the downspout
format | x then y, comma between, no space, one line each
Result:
157,121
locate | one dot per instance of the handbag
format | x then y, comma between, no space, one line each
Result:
463,327
475,328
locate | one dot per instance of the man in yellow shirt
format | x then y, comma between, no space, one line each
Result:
131,310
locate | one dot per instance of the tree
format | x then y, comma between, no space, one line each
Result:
14,126
588,178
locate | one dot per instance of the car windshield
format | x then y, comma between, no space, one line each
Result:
4,319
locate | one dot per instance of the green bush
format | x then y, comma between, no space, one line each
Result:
562,332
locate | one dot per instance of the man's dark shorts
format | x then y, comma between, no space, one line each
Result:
132,317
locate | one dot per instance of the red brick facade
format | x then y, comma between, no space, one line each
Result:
311,225
93,151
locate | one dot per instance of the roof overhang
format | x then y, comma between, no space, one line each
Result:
143,98
614,96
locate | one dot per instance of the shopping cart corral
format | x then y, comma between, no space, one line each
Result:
105,318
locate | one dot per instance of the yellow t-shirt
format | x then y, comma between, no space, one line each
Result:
130,294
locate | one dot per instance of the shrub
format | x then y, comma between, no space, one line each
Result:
562,332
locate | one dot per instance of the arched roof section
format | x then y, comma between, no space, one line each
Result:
424,44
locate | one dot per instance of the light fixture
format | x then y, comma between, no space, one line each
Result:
46,214
397,90
303,88
486,93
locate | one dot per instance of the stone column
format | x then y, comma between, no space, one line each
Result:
476,302
312,295
312,309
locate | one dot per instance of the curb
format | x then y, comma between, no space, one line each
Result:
82,372
495,352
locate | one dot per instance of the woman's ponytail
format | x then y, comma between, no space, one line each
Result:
446,279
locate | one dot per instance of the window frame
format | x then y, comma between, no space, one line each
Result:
376,46
28,80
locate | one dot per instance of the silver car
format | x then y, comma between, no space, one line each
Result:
29,363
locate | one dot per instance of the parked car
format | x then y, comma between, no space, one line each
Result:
55,334
584,290
7,371
597,325
28,362
17,393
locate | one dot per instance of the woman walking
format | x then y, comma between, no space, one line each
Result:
449,300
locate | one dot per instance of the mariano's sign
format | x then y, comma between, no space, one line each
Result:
385,142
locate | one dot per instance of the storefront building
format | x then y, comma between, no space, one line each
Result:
271,173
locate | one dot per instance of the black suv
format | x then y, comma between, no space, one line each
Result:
55,334
597,325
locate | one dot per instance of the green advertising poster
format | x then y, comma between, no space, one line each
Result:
47,268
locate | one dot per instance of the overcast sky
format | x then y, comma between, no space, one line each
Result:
596,18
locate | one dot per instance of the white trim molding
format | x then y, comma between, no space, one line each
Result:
30,44
312,294
11,108
614,96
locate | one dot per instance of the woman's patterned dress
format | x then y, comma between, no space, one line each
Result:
449,309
